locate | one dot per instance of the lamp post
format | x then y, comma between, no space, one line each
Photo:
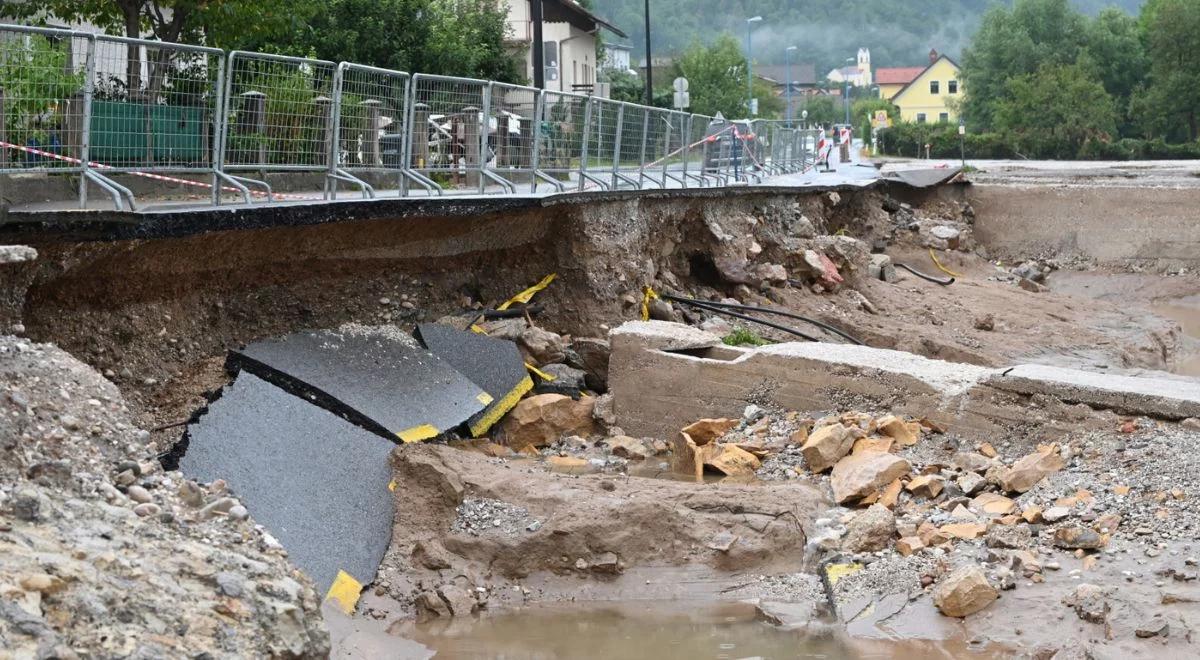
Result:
787,57
846,95
649,61
750,66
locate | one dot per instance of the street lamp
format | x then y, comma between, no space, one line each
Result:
750,66
846,95
787,57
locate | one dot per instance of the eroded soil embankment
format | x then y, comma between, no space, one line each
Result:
157,316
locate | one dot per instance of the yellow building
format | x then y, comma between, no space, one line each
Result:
928,98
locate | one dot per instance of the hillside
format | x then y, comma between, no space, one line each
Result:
898,33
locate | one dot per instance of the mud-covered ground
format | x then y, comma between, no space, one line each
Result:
495,530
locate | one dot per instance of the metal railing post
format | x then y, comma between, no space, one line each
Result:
616,166
642,150
89,85
587,135
539,118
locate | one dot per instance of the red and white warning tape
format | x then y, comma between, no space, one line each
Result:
148,175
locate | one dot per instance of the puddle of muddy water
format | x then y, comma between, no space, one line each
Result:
1185,312
663,631
1174,298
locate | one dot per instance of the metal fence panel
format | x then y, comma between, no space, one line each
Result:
277,113
603,125
630,151
447,119
370,108
43,94
562,135
155,105
512,125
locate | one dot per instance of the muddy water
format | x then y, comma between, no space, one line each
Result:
1186,312
662,631
1174,298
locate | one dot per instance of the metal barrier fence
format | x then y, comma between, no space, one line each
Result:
262,128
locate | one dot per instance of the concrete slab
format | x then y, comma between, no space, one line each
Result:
379,378
495,365
1158,397
316,482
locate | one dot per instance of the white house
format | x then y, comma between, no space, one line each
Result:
617,58
569,38
859,75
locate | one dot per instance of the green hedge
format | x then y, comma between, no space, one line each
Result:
908,139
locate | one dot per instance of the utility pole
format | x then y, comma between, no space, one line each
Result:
649,61
787,56
750,67
539,48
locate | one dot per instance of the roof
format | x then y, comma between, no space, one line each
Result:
569,11
848,71
897,75
931,65
803,73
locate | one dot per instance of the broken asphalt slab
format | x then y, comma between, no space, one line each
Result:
317,483
495,365
378,378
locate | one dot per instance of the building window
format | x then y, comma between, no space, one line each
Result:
944,117
920,117
934,87
952,87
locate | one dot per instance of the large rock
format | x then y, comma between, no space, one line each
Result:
1090,603
906,433
543,419
964,592
705,431
731,460
870,530
1078,537
858,475
828,444
1026,472
543,346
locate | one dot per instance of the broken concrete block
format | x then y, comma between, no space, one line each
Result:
705,431
1026,472
731,460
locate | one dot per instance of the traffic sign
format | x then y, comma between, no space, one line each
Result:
680,84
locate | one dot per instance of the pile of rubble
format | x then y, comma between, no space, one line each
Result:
102,554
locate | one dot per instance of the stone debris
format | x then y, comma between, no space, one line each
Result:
964,592
542,419
105,554
828,444
870,530
858,475
705,431
487,516
1090,603
1031,469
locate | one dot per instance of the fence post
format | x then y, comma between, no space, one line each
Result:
218,124
587,134
485,125
3,132
329,136
85,136
535,159
642,152
616,166
370,133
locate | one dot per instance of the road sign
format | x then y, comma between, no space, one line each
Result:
680,84
682,99
753,107
962,130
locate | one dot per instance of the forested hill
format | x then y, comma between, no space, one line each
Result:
898,32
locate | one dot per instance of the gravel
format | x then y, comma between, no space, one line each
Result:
478,516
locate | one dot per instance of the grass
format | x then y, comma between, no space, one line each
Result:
743,337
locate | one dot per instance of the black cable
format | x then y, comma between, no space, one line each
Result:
766,310
744,317
936,280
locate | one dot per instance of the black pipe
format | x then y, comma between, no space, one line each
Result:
511,313
766,310
936,280
744,317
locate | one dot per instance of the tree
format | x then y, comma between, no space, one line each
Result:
212,22
863,111
1173,46
821,110
1052,112
1116,56
716,77
446,37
